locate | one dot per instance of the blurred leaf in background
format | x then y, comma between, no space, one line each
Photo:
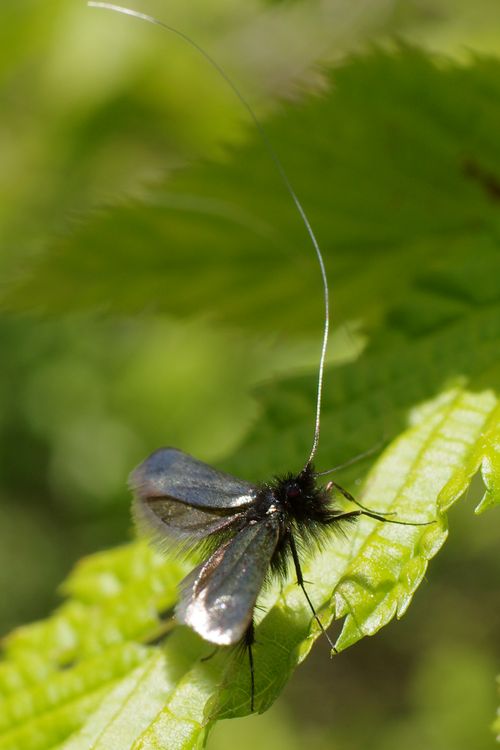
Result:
204,288
85,121
454,27
95,107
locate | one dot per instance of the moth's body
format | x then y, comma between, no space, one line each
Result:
299,510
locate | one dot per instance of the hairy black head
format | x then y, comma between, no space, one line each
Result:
302,509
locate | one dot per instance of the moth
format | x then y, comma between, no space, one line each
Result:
246,533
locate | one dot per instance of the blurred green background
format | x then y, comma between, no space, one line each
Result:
87,122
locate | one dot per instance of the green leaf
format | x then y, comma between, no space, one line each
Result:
94,641
365,579
84,673
107,117
396,167
453,26
57,671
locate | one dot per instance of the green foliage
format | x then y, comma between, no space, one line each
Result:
84,120
399,176
84,670
452,26
405,198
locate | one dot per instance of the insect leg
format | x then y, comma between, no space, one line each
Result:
249,640
157,636
300,582
380,517
352,499
210,655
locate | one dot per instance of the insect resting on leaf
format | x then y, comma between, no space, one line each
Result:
246,532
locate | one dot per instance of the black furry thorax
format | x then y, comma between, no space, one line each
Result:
299,507
294,499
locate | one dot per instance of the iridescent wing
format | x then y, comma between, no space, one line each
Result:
218,597
180,501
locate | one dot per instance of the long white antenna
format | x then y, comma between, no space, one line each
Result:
284,177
